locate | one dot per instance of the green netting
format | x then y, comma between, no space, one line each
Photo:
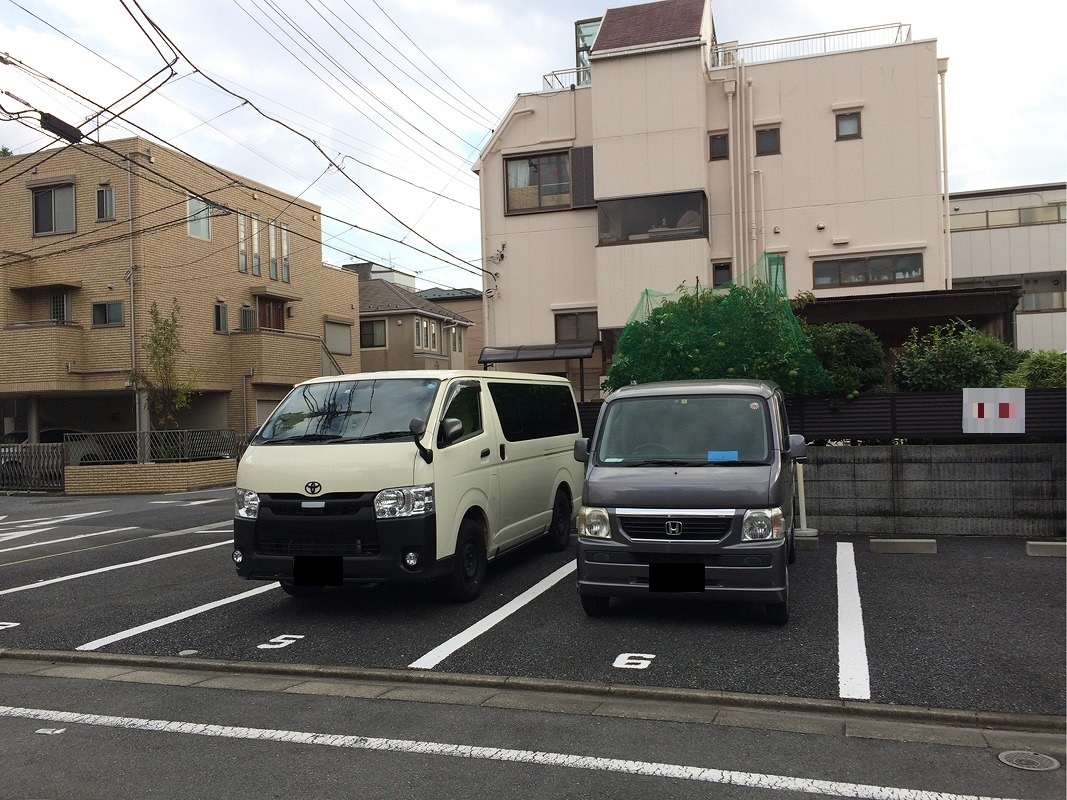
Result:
744,329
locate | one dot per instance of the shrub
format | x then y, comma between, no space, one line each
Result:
1039,369
952,356
852,354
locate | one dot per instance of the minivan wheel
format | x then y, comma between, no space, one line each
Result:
468,564
293,590
595,605
559,530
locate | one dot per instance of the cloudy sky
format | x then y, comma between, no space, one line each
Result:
376,109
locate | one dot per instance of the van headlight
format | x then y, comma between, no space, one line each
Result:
246,504
593,523
763,524
404,501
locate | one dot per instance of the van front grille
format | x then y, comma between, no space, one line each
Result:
664,529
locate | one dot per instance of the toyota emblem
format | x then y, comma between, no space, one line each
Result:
674,528
314,487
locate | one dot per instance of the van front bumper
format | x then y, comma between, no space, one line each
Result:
337,549
747,571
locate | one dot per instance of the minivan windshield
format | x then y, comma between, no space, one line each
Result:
695,430
349,411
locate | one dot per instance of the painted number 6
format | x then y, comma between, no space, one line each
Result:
633,660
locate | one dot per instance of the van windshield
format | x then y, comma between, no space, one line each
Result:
701,430
350,411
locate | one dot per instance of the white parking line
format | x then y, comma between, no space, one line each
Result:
96,644
443,651
781,783
25,523
63,578
66,539
854,679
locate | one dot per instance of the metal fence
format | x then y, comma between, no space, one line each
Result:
40,466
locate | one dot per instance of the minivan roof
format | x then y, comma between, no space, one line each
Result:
436,374
724,386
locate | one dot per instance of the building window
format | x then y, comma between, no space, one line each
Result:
1034,215
372,333
768,141
59,308
579,326
338,337
222,321
585,32
426,333
53,209
457,338
848,125
285,254
249,320
719,146
656,218
255,244
105,203
433,336
107,314
537,183
721,273
272,250
242,242
199,213
870,270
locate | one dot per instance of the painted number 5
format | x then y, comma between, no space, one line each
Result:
633,660
284,640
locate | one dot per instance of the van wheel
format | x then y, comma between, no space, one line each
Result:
594,605
559,530
468,564
293,590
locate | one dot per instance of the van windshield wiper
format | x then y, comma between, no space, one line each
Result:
306,437
377,436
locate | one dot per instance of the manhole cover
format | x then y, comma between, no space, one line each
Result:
1024,759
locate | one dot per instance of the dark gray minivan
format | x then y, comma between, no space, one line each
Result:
689,488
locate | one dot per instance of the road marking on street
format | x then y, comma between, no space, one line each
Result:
96,644
781,783
25,523
443,651
7,537
68,538
187,502
854,678
77,575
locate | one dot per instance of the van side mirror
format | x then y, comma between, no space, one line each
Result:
417,427
581,450
798,448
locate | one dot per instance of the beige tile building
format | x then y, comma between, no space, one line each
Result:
93,234
670,158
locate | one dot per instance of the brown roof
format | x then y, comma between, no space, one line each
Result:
378,296
649,23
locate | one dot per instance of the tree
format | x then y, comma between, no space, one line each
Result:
4,152
1040,369
851,353
747,332
950,357
167,391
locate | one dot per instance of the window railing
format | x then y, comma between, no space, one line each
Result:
1008,217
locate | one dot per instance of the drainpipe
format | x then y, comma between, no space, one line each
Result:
731,138
942,68
750,135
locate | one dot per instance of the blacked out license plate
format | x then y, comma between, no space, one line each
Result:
676,577
317,570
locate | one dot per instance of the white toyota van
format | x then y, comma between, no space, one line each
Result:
406,476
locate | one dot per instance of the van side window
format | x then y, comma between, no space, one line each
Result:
533,411
466,407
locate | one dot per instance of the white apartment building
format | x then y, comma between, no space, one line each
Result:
1016,236
668,157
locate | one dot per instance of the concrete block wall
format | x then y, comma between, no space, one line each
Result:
942,490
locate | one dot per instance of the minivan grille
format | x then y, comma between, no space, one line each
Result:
707,529
286,505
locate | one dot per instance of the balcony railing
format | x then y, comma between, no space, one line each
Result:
729,53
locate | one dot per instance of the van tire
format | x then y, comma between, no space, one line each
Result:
293,590
595,605
558,536
468,564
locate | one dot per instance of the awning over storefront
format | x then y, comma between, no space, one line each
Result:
535,352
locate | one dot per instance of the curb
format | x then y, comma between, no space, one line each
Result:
985,720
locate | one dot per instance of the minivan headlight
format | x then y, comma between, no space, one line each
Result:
593,523
403,501
763,524
246,504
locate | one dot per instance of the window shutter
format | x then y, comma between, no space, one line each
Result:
582,177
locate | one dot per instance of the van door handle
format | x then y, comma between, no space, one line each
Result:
485,453
502,453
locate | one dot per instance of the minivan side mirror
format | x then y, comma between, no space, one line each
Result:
581,449
417,427
798,448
